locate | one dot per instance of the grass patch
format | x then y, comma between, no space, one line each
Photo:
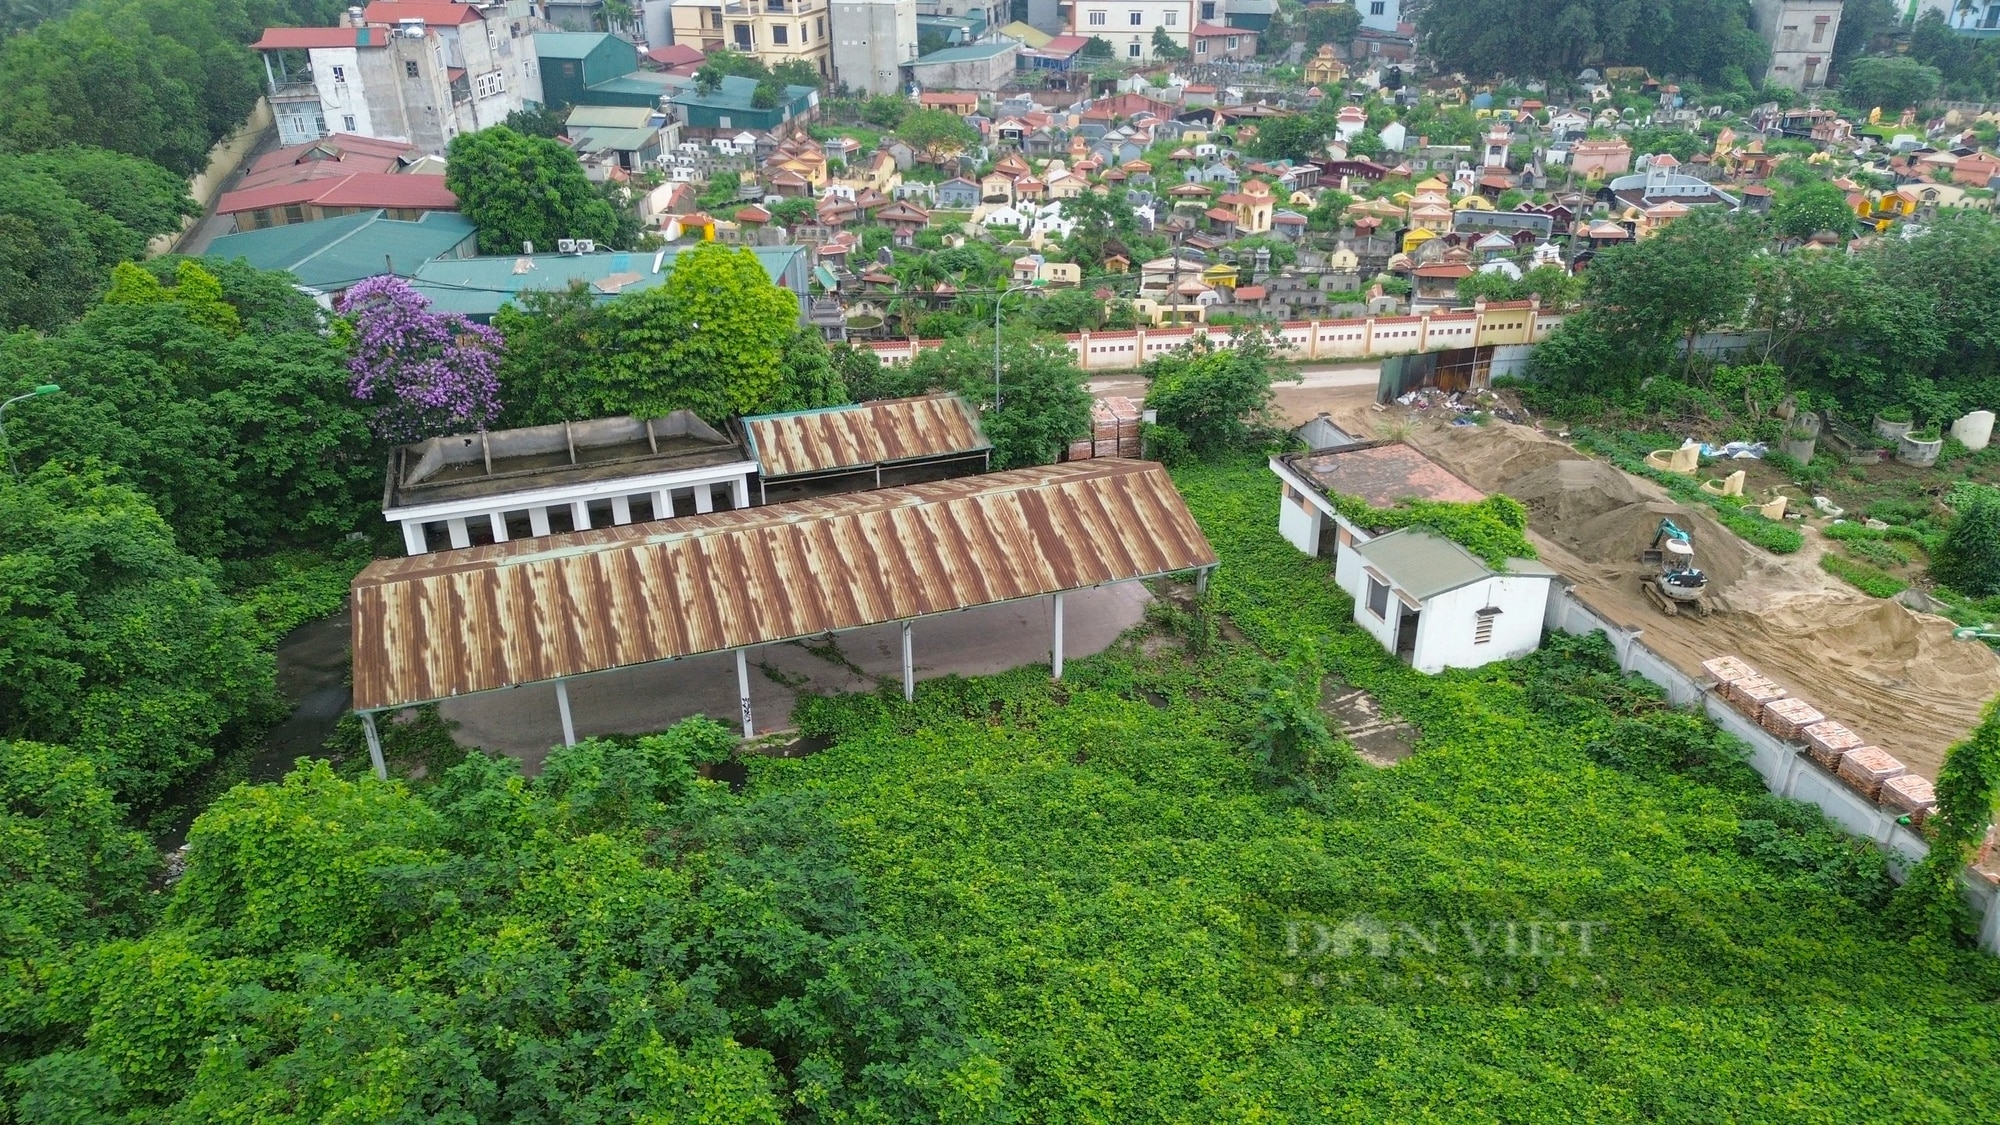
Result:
1863,577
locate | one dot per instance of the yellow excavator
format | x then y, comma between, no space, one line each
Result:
1677,586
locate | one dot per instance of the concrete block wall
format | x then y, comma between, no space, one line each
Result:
1784,767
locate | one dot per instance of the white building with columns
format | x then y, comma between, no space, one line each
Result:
469,490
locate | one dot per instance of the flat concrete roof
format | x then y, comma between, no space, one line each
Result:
1379,473
464,467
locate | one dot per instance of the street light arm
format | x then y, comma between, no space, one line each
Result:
44,389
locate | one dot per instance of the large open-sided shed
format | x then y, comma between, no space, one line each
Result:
887,442
437,626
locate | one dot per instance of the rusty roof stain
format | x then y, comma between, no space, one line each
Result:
871,433
439,625
1380,473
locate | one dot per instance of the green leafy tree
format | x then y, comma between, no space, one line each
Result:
811,377
1556,287
1801,212
73,874
769,94
554,342
1067,310
1968,557
1214,396
1105,225
936,134
536,121
1298,139
885,111
711,340
1321,24
518,189
197,291
1043,402
1487,285
1097,47
113,640
1164,47
1892,84
144,198
1687,279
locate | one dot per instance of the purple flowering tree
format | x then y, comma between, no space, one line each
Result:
425,373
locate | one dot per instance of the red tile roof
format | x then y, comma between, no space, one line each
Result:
1445,269
1208,30
1065,45
1222,214
1249,292
436,13
360,190
676,54
306,38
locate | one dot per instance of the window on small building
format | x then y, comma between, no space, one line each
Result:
1133,50
295,213
1378,599
487,85
1097,19
410,68
1173,18
1482,627
781,35
347,123
1232,41
340,74
1207,11
1137,19
1201,46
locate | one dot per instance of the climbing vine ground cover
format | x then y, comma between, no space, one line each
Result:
1572,903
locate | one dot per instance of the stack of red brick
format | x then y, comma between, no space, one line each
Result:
1114,431
1868,770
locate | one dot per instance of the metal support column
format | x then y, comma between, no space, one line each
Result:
562,708
1058,648
1201,580
374,745
743,690
909,666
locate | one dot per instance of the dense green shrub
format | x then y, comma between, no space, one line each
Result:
1861,576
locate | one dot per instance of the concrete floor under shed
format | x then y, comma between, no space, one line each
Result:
523,723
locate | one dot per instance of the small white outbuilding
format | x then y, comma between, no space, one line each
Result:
1436,605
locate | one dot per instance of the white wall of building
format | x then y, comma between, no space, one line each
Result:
342,93
1128,24
1445,631
1381,15
1800,34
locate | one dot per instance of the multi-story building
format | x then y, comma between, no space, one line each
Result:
1800,34
873,41
986,13
775,31
1380,15
1128,25
419,71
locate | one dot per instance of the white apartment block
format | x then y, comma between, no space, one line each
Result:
417,71
1800,34
1128,25
872,41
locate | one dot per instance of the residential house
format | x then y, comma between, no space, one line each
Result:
774,31
962,103
1800,34
629,137
334,176
1128,25
1436,605
417,71
1209,43
873,40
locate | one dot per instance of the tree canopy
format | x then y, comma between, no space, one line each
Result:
1705,39
520,189
1044,404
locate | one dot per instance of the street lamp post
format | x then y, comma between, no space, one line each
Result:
44,389
997,302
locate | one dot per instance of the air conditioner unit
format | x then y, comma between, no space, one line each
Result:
586,246
565,245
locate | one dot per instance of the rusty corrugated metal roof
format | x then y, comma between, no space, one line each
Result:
869,433
449,623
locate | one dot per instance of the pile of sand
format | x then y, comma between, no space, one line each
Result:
1565,493
1487,457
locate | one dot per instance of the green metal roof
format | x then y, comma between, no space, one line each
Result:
647,82
1420,564
478,287
335,253
734,96
568,44
977,52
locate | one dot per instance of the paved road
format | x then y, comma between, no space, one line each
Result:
523,723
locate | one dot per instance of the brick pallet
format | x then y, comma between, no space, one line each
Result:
1827,742
1867,768
1787,717
1910,795
1752,695
1114,430
1727,670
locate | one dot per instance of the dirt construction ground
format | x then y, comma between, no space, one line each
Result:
1896,677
